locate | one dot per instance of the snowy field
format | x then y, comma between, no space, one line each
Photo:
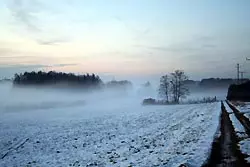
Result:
52,128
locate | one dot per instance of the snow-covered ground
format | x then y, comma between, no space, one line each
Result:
238,127
245,148
228,109
244,107
46,128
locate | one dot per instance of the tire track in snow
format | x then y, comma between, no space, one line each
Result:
15,147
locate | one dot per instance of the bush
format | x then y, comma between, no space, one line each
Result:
203,100
239,92
149,101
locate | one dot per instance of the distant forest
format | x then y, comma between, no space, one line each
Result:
213,82
52,77
67,79
119,84
93,80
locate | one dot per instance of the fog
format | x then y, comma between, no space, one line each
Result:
59,126
49,103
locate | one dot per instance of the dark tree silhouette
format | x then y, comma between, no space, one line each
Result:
147,84
216,82
174,86
164,87
178,88
239,92
124,84
52,77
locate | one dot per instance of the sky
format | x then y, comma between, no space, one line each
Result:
125,38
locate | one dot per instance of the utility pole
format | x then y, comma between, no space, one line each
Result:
238,73
242,75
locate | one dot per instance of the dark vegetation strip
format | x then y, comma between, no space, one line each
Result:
225,151
14,148
240,116
239,91
52,77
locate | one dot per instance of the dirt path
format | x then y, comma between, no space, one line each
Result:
225,152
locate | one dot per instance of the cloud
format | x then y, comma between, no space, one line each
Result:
14,57
137,33
52,41
25,13
204,39
209,46
6,51
12,54
21,66
9,70
170,48
63,65
194,45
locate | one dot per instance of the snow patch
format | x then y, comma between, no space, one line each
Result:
245,148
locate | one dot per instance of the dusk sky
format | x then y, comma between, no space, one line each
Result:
125,37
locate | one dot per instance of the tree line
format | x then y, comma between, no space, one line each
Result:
219,82
52,77
119,84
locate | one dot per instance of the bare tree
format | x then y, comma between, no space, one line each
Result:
178,88
164,87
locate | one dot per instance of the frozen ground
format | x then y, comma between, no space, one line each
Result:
60,130
228,109
244,107
245,148
154,136
238,127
